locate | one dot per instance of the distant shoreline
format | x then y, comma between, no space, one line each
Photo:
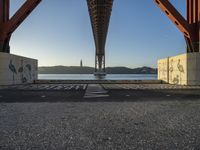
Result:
107,73
90,70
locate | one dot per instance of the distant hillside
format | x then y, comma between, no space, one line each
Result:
65,70
125,70
90,70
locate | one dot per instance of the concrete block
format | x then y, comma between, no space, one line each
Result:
182,69
17,69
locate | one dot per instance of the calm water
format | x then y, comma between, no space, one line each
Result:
92,77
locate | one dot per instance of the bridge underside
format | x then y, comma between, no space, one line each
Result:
100,12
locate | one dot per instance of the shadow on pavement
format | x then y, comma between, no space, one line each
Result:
114,96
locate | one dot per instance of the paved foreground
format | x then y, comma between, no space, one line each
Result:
123,119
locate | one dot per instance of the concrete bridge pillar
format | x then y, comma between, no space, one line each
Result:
100,68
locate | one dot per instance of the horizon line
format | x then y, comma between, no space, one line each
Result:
106,67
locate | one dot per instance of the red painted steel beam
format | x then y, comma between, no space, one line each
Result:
193,17
4,17
174,16
193,11
10,25
4,11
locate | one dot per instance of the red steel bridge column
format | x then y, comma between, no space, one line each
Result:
9,25
193,17
190,27
4,18
100,12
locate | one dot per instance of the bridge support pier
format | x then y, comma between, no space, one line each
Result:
100,68
5,47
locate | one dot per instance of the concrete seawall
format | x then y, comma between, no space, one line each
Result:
98,81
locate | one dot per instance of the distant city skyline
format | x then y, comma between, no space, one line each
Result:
59,33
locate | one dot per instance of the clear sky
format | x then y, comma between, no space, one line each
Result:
58,32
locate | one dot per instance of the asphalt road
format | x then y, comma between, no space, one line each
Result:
126,119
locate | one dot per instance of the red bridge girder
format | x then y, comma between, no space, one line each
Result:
8,26
190,27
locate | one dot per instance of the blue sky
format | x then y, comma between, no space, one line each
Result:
58,32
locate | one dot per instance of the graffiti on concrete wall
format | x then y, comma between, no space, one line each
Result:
162,70
17,69
12,69
172,70
176,79
176,74
180,69
24,71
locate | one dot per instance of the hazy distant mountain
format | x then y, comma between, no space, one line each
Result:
125,70
90,70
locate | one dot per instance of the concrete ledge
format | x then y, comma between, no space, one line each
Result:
17,69
98,81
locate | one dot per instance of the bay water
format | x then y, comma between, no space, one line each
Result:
92,77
